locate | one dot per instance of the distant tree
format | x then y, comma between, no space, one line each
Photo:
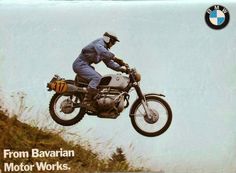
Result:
118,161
118,156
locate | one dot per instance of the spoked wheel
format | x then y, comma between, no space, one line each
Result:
158,120
62,109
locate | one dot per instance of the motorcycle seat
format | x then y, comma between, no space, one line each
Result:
80,79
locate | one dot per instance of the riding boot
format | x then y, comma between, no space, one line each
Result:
88,98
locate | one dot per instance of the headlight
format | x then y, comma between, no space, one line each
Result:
137,76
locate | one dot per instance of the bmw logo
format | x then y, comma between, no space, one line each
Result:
217,17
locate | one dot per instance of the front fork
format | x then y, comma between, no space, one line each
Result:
143,100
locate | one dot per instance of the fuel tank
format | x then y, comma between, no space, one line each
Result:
114,81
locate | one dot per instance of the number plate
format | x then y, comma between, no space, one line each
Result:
59,86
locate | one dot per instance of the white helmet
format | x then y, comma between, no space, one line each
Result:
110,37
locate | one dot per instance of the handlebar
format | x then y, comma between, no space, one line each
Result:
129,70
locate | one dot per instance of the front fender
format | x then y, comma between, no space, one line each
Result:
139,100
155,94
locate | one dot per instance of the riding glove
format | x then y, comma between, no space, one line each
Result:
119,61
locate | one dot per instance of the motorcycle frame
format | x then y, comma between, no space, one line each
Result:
133,84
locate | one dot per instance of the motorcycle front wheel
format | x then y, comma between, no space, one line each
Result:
157,122
62,110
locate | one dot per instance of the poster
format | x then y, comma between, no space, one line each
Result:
183,50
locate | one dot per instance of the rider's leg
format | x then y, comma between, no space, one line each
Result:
88,72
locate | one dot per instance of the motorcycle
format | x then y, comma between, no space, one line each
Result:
150,114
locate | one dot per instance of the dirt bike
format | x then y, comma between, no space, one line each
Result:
150,114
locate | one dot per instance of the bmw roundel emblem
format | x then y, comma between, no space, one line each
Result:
217,17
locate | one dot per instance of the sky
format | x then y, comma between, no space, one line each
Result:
168,42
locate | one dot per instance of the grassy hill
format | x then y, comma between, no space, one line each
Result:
18,136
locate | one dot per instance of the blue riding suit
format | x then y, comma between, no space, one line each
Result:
95,52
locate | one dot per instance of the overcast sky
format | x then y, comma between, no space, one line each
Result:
168,42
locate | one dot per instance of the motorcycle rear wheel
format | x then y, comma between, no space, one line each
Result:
161,111
63,120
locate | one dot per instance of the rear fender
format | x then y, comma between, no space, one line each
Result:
67,90
68,82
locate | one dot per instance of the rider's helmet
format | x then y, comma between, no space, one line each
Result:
110,38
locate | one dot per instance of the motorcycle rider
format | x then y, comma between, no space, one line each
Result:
95,52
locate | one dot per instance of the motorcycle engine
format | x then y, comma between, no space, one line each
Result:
109,102
106,102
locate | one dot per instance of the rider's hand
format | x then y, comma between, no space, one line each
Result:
119,61
123,69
